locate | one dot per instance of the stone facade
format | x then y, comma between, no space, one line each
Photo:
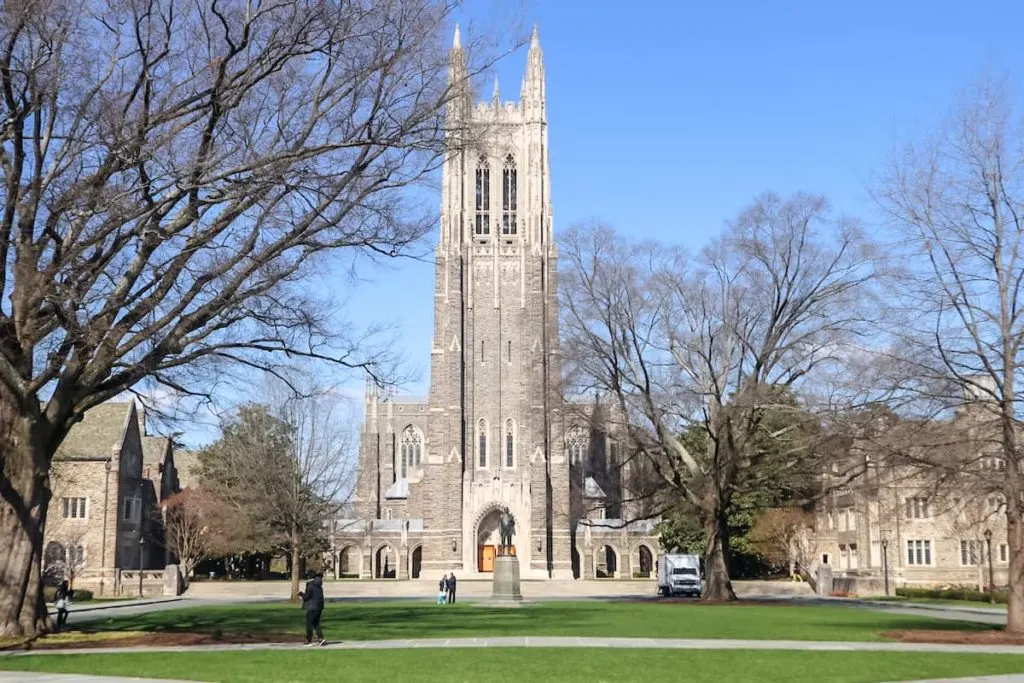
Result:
108,478
494,431
895,519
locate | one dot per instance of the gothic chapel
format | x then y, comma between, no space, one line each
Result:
495,430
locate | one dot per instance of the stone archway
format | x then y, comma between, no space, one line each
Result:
645,561
385,563
416,562
606,562
348,558
488,536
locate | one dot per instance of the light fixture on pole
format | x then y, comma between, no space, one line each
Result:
988,548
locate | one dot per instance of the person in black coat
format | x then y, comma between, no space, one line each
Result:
451,588
313,605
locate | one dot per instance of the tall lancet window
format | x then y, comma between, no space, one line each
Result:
412,449
508,197
510,443
483,197
482,432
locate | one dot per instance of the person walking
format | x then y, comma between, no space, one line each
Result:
442,590
62,598
451,588
313,605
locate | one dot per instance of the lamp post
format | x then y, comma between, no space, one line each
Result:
885,564
988,548
142,536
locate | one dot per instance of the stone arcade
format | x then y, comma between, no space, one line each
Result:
495,431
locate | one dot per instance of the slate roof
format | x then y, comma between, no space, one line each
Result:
591,489
153,449
398,491
101,428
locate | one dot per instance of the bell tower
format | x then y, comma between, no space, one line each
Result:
495,394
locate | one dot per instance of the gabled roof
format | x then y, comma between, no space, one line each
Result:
101,430
154,449
398,491
591,490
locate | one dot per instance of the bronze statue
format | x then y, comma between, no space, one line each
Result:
507,527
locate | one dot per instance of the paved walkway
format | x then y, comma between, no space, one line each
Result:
557,642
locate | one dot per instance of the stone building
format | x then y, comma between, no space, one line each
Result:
899,518
108,479
495,429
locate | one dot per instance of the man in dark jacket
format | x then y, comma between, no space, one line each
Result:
313,605
451,588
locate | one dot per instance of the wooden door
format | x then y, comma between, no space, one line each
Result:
487,558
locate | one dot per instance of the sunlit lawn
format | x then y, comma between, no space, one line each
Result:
535,664
399,620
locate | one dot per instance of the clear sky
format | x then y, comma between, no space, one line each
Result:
667,118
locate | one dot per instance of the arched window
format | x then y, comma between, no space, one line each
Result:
412,449
508,197
577,444
482,431
510,443
483,197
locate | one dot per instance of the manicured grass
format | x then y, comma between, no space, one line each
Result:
391,620
534,664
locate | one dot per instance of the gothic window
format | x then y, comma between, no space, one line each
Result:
510,444
509,203
577,443
482,431
483,197
412,449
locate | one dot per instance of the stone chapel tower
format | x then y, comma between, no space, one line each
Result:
495,399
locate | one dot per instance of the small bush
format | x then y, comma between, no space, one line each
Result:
77,595
951,593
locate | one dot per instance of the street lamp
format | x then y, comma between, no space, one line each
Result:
988,547
885,563
142,536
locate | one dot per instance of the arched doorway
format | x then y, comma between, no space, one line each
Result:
646,562
385,563
575,563
346,562
488,536
416,562
606,563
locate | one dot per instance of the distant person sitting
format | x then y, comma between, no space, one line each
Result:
313,605
62,598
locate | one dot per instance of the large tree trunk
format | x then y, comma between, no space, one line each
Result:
1015,541
24,497
296,568
718,586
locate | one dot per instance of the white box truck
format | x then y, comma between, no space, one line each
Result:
679,574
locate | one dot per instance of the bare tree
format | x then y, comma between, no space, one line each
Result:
786,536
703,355
170,172
188,530
956,202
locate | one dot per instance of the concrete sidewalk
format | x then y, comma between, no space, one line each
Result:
557,642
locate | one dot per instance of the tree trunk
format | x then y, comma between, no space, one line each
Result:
24,498
1015,541
716,567
295,541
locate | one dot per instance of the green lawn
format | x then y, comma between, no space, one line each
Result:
388,620
535,664
944,601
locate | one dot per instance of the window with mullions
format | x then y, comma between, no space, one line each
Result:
483,197
482,436
509,203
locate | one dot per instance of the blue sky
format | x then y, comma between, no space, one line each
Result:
667,118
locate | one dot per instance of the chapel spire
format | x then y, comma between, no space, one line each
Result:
533,95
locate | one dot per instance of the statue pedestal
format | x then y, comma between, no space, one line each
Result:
505,587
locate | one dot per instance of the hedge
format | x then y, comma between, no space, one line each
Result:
952,593
78,594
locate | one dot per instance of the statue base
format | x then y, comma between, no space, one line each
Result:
505,587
